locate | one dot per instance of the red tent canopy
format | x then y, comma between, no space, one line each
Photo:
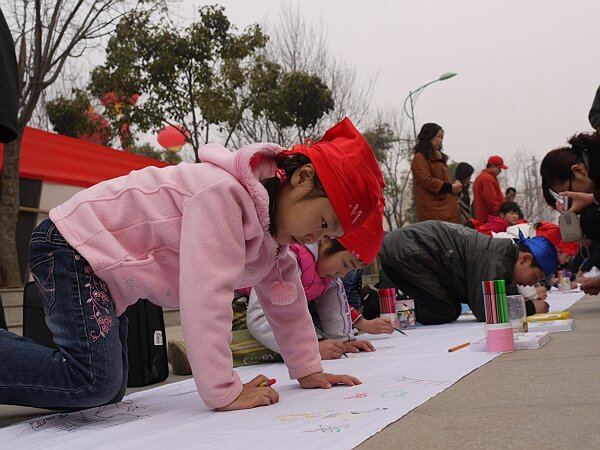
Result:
65,160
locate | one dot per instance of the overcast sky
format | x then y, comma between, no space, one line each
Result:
527,69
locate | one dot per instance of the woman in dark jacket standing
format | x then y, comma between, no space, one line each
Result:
435,194
463,173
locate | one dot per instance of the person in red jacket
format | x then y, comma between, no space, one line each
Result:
487,195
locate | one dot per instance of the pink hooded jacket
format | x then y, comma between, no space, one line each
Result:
187,236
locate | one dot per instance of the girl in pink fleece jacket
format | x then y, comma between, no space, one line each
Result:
187,236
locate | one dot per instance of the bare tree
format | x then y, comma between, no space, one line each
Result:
298,46
47,33
393,149
524,176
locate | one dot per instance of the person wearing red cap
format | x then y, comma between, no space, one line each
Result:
188,236
487,195
347,169
436,196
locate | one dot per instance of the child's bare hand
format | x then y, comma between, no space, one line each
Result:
324,380
253,395
375,326
541,306
591,286
331,349
357,346
542,292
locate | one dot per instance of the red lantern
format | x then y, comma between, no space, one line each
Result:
173,137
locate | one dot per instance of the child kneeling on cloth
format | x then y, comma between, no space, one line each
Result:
441,265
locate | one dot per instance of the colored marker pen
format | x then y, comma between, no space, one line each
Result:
268,382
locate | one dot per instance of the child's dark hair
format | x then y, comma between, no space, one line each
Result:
463,171
510,189
290,165
334,247
507,207
556,165
427,133
523,248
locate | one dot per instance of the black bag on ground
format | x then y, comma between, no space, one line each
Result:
34,319
146,344
2,318
146,347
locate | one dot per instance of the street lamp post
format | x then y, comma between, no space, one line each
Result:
414,95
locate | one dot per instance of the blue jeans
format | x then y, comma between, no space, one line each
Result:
89,366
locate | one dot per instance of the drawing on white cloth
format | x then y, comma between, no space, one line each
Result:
359,395
310,415
344,416
327,414
93,419
393,394
422,382
327,429
384,348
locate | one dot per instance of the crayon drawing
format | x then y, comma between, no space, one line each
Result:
94,419
359,395
393,394
327,429
422,382
296,416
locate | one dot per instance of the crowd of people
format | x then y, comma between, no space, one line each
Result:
569,172
281,227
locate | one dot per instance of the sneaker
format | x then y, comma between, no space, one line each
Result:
178,358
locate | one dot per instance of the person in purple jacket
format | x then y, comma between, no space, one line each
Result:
187,236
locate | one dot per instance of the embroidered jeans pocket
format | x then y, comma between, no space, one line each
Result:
42,270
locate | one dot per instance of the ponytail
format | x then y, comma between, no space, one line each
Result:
290,165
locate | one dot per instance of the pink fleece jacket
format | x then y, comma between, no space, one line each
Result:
186,236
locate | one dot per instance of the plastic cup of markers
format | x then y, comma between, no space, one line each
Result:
565,285
499,337
387,305
387,301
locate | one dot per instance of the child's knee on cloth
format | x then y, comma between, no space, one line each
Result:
98,390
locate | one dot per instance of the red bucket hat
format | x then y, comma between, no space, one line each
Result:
365,242
552,232
348,171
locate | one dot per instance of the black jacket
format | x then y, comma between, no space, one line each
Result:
594,114
449,260
590,216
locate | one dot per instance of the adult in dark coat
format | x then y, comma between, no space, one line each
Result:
441,265
435,194
9,85
574,171
594,114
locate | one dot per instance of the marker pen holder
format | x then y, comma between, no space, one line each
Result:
387,300
499,337
387,304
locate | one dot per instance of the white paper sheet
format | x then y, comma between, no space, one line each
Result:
559,301
403,373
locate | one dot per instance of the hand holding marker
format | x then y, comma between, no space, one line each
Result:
324,336
268,382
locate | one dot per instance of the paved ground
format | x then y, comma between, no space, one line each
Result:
547,398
